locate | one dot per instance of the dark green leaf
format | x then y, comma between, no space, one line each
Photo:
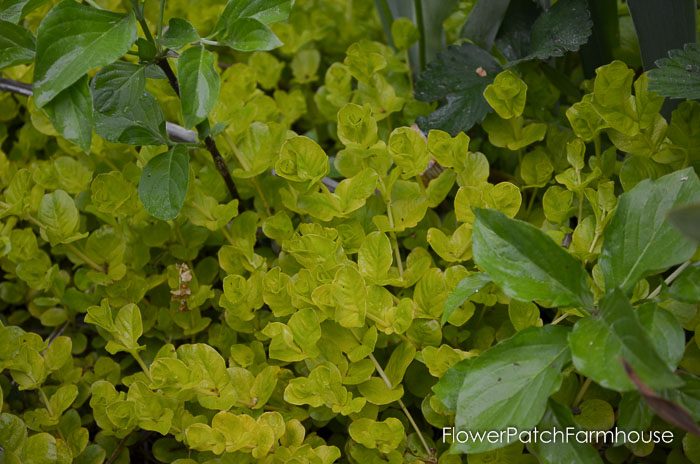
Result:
16,45
124,111
199,84
639,240
665,332
465,289
484,21
662,25
563,28
678,75
248,34
559,417
14,10
71,114
506,386
526,263
633,413
600,343
178,34
457,78
669,411
164,183
687,220
74,38
604,39
686,287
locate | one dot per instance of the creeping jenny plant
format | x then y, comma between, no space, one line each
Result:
224,240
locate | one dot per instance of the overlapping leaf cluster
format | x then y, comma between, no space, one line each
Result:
369,284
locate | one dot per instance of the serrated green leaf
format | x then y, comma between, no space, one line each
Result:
164,183
599,344
563,28
526,263
199,84
678,76
639,240
74,38
458,76
16,45
506,386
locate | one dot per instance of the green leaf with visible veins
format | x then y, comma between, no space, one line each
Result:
178,34
164,183
16,45
124,111
459,77
265,11
243,25
248,34
74,38
599,344
563,28
639,240
678,76
506,386
526,263
14,10
199,84
71,114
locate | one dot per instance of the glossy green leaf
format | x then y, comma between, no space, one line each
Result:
458,77
244,25
559,417
74,38
16,45
199,84
178,34
639,240
124,111
678,76
14,10
599,343
686,287
248,34
506,386
59,218
563,28
526,263
164,183
71,114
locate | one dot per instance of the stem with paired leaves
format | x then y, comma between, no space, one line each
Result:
164,65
